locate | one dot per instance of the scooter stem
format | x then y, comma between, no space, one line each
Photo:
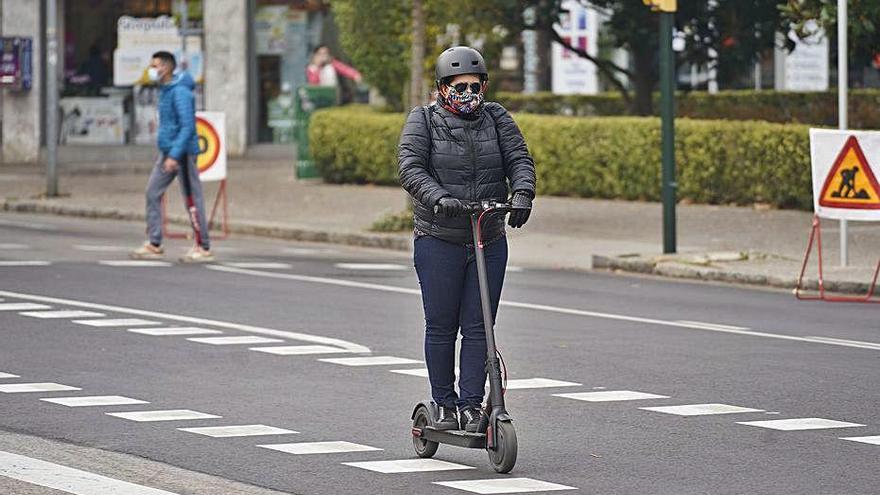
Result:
493,367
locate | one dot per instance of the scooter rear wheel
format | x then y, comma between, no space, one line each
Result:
424,448
503,457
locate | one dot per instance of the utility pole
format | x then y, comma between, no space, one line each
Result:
666,9
842,102
51,61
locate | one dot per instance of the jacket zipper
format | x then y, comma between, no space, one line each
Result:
473,153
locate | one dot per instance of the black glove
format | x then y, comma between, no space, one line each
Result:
450,207
522,204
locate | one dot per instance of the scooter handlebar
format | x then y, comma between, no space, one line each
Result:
477,207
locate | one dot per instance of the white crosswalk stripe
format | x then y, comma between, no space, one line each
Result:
373,266
701,409
95,400
168,415
370,361
22,306
610,396
8,375
238,431
872,440
135,263
157,332
10,246
73,313
267,265
530,383
504,485
798,424
97,248
25,263
408,466
297,350
18,388
307,448
119,322
66,479
235,340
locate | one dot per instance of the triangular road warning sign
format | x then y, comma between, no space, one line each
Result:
851,182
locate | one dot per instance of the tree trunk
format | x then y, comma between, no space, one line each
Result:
417,56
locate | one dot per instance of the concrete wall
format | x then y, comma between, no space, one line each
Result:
226,67
21,110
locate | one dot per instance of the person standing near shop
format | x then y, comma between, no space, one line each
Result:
178,150
324,70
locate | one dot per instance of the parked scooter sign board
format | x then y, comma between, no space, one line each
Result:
845,181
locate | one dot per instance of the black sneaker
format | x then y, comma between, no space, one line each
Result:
447,419
470,419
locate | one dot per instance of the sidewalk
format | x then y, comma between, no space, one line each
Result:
731,244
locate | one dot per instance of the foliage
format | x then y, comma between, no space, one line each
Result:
863,24
784,107
608,157
395,222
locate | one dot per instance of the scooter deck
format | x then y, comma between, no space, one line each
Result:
458,438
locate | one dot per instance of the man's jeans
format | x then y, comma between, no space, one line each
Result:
191,188
451,297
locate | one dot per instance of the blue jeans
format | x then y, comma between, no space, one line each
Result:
451,297
190,186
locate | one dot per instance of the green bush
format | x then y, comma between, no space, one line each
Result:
719,162
772,106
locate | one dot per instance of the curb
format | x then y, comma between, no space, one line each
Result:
261,229
676,269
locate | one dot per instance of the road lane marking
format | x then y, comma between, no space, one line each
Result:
95,400
874,440
313,339
854,343
408,466
119,322
306,448
260,264
99,248
388,267
174,331
370,361
18,388
536,307
504,485
307,251
66,479
235,340
61,314
701,409
7,263
27,225
712,326
167,415
420,372
238,431
11,246
798,424
530,383
22,306
298,350
8,375
611,396
135,263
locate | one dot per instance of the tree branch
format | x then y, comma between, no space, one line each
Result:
607,67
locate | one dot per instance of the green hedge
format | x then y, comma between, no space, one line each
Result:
772,106
719,162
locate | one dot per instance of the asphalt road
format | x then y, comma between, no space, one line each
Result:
675,343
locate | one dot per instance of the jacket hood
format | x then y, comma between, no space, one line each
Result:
182,78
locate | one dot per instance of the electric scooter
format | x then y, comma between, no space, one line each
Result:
495,433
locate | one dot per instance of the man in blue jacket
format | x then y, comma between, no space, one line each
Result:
178,150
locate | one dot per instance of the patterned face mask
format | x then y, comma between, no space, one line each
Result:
464,102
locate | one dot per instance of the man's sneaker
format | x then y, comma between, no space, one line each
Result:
470,419
447,419
147,252
197,254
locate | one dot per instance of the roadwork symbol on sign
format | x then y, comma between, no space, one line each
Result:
211,132
209,144
851,182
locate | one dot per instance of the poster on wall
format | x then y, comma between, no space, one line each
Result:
138,38
571,73
92,121
806,68
270,29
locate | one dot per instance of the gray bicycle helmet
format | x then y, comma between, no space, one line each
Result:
460,60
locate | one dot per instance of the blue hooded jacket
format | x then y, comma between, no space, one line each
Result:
177,118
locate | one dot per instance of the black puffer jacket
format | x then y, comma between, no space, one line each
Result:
484,158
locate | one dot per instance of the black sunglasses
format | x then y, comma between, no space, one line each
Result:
462,87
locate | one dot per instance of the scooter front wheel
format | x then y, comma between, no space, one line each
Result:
503,456
424,448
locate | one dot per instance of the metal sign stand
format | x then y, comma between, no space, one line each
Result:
220,202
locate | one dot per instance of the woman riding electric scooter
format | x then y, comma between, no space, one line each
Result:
451,154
